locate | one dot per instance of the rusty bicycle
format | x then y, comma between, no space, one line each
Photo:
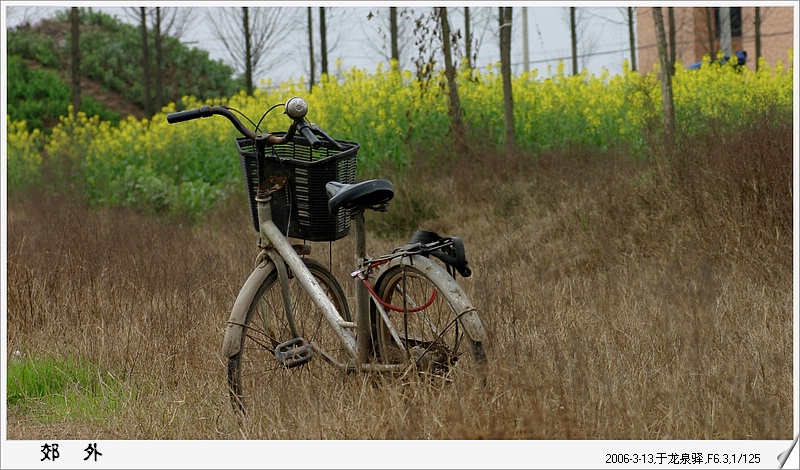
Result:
410,312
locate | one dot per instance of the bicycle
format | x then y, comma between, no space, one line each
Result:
301,184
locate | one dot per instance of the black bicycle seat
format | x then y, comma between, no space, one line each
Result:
369,194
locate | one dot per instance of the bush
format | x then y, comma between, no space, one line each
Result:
40,96
24,162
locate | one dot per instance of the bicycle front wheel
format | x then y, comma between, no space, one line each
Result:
266,326
424,322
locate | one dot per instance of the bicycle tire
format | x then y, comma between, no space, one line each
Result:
247,369
433,338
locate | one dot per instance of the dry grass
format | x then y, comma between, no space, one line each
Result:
624,300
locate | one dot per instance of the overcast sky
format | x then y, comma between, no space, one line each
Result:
357,40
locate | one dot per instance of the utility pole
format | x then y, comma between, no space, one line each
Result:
526,63
311,47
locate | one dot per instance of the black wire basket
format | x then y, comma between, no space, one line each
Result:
300,209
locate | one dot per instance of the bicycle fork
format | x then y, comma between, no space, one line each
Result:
296,351
309,283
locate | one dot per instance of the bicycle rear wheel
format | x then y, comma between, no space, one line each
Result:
266,326
428,329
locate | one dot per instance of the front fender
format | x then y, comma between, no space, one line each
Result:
233,332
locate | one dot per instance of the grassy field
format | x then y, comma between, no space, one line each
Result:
623,300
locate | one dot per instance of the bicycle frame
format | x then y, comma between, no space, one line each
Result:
272,237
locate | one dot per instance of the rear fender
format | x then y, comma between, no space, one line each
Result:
448,287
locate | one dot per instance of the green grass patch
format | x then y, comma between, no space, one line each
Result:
52,388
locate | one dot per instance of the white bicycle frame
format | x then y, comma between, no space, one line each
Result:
358,351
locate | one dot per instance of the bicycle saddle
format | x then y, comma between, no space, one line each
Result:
370,194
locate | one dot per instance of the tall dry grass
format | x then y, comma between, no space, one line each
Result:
623,300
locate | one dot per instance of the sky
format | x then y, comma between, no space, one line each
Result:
356,40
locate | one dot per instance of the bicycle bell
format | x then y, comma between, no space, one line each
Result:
296,108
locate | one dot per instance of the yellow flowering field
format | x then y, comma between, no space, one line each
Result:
157,167
25,159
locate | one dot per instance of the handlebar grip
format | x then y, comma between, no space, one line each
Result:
189,114
305,130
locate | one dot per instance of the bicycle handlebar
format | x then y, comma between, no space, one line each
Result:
305,131
296,109
189,114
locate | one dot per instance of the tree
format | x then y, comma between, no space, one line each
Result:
578,22
632,37
574,40
310,49
165,22
250,36
148,105
505,66
323,34
710,29
393,33
168,22
478,23
456,121
468,38
666,80
75,58
248,51
671,28
24,16
159,49
395,46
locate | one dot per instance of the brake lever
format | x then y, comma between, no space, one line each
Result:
330,139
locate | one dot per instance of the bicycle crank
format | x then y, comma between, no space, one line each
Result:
292,353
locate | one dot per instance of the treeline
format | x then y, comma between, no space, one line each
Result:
111,53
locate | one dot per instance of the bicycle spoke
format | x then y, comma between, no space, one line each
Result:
267,327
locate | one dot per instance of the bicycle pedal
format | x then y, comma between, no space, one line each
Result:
295,352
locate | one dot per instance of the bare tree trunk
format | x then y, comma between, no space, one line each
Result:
672,52
323,32
666,82
467,37
393,33
75,59
574,34
710,25
505,66
310,49
248,52
148,104
159,43
758,35
251,36
456,121
632,37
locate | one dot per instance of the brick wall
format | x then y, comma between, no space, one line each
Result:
692,39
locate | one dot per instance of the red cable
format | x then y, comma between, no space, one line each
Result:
398,309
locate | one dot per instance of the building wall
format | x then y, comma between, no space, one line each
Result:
692,39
